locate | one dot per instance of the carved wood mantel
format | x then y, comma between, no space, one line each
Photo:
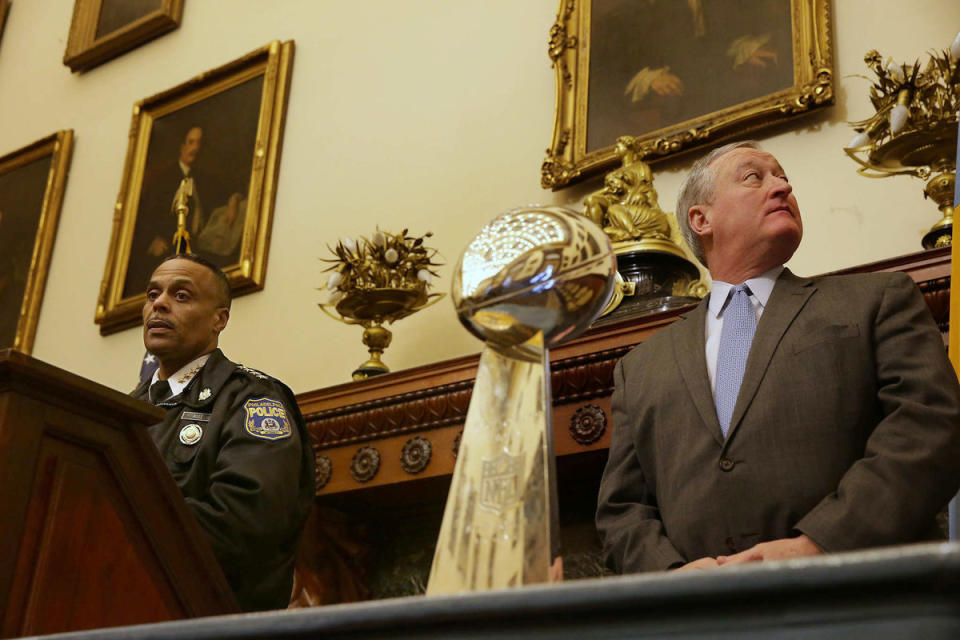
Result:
381,441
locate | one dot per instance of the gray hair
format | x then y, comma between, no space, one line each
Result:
697,188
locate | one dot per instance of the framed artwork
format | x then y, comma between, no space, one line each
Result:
103,29
220,135
32,181
679,75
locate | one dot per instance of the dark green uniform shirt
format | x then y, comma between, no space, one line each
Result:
238,448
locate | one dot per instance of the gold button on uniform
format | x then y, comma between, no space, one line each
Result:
726,464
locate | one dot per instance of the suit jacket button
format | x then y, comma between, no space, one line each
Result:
726,464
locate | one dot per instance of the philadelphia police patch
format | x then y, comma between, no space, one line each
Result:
266,419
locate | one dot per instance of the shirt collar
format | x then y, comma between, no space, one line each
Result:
184,168
760,287
179,380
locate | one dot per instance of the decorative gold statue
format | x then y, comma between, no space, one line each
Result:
654,273
627,208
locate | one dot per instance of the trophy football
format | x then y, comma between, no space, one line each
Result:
533,278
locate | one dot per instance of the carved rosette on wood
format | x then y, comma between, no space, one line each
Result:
588,424
416,454
324,470
365,464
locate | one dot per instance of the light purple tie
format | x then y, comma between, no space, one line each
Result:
739,325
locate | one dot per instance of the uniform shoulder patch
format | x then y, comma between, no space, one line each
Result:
253,372
266,419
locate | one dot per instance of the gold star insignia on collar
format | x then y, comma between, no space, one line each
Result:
188,376
204,394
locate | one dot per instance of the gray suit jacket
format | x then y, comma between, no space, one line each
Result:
847,429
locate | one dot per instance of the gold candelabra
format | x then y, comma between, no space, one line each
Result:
377,281
914,129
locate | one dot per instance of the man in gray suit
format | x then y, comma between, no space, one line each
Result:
787,417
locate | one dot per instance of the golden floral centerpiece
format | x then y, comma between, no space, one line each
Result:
377,281
914,129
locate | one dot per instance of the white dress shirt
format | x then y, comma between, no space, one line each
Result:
760,289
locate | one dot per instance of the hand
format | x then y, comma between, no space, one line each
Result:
158,247
699,565
667,84
774,550
556,570
233,207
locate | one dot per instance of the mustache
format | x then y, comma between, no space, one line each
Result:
156,321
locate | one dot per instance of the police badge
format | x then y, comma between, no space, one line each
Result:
191,434
266,419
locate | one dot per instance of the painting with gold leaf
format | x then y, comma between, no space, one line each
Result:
103,29
208,149
677,75
32,181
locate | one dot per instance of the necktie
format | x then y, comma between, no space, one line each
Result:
159,390
739,326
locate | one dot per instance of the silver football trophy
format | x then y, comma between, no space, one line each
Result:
533,278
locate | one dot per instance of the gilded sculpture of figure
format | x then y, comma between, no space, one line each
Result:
626,208
654,273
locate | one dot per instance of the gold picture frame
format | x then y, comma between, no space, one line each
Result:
103,29
639,62
32,181
4,6
226,127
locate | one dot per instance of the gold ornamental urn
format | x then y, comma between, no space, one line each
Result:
378,281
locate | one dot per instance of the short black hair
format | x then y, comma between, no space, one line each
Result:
223,285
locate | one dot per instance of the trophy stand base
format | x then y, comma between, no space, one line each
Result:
501,508
661,282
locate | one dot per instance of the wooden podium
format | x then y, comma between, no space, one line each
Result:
94,531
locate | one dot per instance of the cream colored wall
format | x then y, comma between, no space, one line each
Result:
427,114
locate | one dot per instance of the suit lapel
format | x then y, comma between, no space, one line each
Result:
690,350
789,296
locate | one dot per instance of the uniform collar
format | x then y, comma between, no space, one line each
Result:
760,287
202,390
179,380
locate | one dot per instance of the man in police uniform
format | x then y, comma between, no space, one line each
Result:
233,438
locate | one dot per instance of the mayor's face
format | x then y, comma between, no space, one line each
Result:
753,207
190,147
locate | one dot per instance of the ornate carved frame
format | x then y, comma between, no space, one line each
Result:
4,6
59,147
85,50
569,50
274,62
